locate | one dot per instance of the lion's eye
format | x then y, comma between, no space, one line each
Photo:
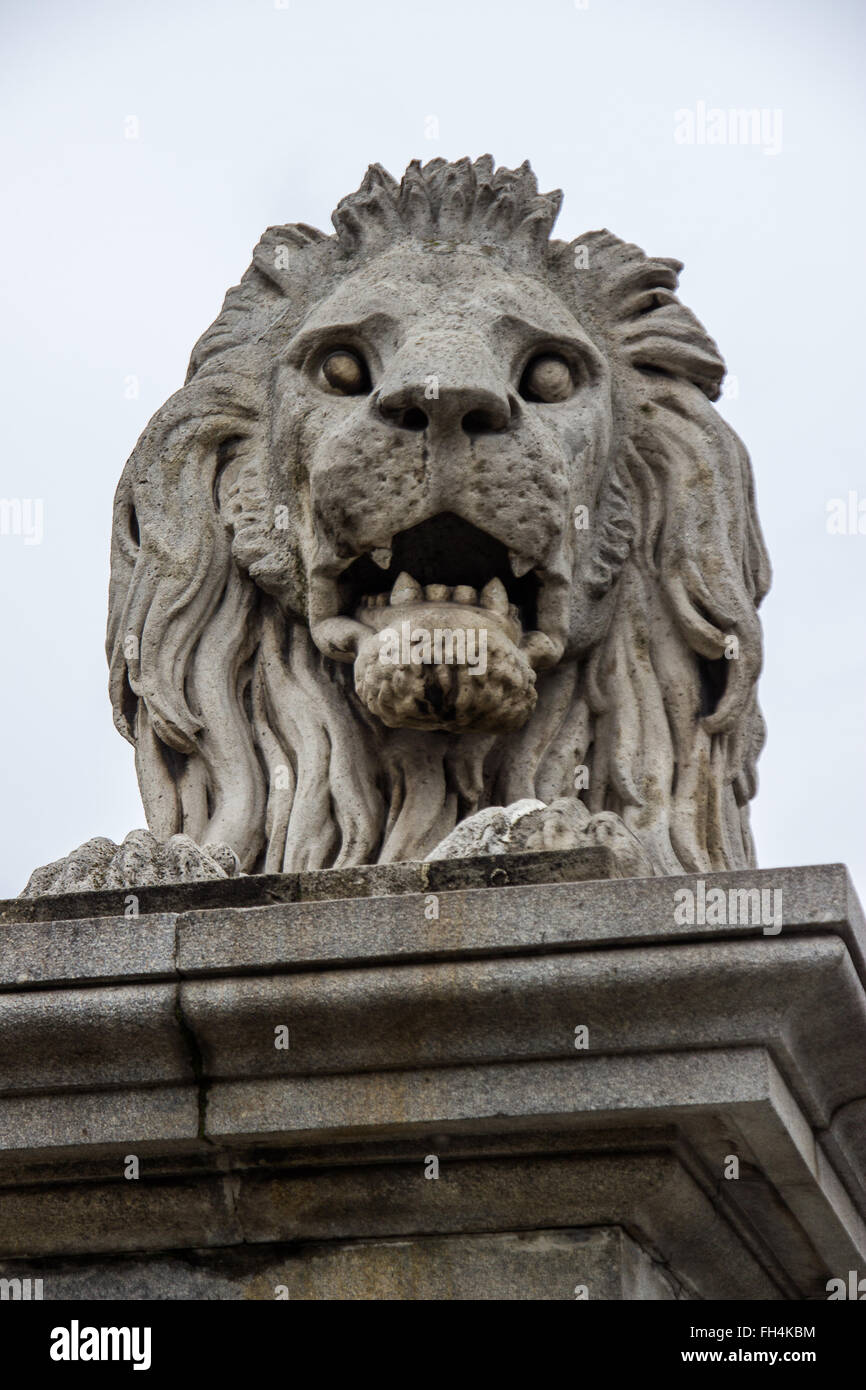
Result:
345,372
548,379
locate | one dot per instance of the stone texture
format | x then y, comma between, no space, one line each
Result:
86,948
433,619
530,825
141,860
604,1262
411,1036
441,522
257,890
520,1008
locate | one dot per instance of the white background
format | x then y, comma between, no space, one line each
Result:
115,254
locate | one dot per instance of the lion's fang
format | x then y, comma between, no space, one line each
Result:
381,557
406,589
519,565
494,596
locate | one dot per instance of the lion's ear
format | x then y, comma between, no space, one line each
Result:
277,286
630,298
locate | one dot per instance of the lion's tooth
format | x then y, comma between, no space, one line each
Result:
381,600
437,593
519,564
514,613
382,557
465,594
495,596
406,589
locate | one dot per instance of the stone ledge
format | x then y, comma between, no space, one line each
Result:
571,914
546,1264
453,1036
366,880
706,1247
800,997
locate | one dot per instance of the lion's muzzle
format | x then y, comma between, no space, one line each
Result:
445,629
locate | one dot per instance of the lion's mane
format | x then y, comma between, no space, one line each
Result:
245,734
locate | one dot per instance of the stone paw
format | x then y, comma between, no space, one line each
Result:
530,825
139,862
608,830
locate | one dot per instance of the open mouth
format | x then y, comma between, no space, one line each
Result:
442,560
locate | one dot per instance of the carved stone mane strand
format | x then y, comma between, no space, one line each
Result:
245,733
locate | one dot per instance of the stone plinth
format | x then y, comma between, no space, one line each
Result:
433,1013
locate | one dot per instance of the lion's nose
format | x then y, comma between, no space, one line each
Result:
415,407
445,390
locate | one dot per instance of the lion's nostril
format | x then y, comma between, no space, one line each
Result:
478,422
413,419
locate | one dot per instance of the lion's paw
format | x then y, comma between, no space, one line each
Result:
139,862
487,832
608,830
532,826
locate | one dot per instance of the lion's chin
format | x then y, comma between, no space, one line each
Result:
444,666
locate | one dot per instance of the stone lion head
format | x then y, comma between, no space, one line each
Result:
439,420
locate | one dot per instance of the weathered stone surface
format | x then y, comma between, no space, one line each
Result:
58,1038
141,860
122,1216
442,520
82,949
411,1036
363,880
442,970
599,1262
84,942
386,1196
61,1125
530,825
522,1008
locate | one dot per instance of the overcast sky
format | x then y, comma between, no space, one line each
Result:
146,146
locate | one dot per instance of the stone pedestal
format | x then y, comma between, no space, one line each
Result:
504,1079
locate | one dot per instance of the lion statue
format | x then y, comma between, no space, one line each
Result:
440,549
